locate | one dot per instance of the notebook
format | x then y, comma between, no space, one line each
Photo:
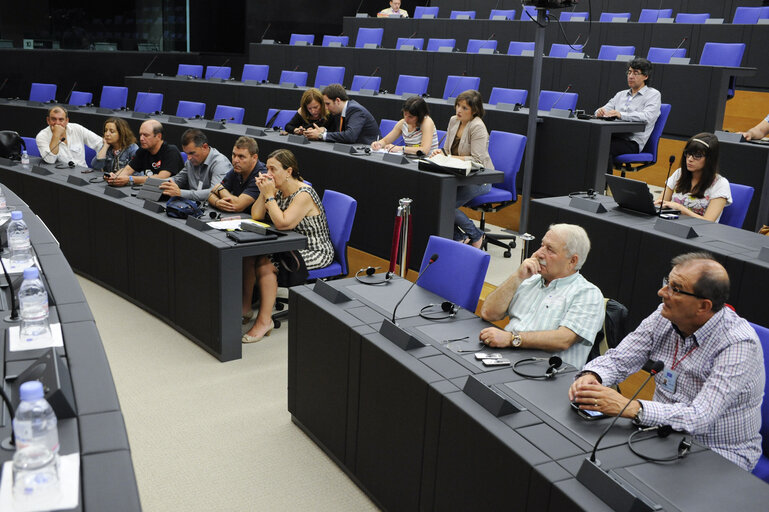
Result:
634,195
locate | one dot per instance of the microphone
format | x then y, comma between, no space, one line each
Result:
651,366
363,86
357,10
488,39
66,100
670,166
555,103
265,32
220,68
451,94
150,64
3,86
433,259
272,119
50,151
681,43
14,316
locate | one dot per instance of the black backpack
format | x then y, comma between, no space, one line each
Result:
10,145
614,329
181,208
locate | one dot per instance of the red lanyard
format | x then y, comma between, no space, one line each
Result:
676,363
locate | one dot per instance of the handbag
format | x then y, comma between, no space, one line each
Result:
11,144
292,270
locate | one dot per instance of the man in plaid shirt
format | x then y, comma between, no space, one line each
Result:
713,380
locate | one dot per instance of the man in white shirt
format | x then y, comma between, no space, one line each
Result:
63,141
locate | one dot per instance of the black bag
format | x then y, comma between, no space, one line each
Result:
181,208
11,144
292,270
614,329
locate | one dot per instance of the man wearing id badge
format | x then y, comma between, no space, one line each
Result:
205,168
713,381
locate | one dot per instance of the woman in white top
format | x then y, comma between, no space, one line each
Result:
417,129
696,189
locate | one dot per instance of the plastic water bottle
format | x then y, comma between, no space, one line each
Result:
33,305
24,159
18,241
35,478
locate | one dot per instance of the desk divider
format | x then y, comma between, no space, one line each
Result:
255,132
674,228
76,180
114,192
589,205
41,171
398,336
199,224
177,119
488,398
297,139
153,206
330,293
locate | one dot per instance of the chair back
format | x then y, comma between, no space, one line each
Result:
343,40
417,42
653,143
763,336
80,98
563,50
369,36
195,70
747,15
340,214
689,17
456,14
610,52
222,72
299,78
420,12
301,39
148,102
511,96
455,85
663,55
509,14
386,126
557,99
722,54
734,214
517,47
42,92
370,83
329,75
476,45
281,119
652,15
506,151
458,273
433,44
569,15
190,109
231,114
410,84
89,155
114,97
256,72
608,17
31,144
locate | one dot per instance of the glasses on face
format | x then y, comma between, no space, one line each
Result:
634,72
695,155
677,290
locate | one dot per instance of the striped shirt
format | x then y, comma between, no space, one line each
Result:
720,384
572,302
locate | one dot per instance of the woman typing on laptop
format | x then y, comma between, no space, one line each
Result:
696,189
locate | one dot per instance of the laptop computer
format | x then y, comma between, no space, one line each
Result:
634,195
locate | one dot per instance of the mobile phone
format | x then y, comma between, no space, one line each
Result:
484,355
496,362
669,216
587,415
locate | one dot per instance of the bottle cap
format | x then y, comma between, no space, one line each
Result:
16,215
31,273
31,390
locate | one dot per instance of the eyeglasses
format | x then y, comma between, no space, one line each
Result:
696,155
634,72
675,289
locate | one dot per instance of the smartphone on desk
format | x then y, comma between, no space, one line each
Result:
587,415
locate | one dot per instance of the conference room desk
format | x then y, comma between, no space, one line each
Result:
191,279
630,254
431,428
96,430
571,154
697,107
748,164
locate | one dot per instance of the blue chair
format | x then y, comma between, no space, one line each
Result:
184,156
80,98
369,36
371,83
417,42
475,45
31,144
663,55
230,114
652,15
508,14
610,52
307,39
222,72
648,155
113,97
506,152
256,72
762,468
422,12
283,117
299,78
734,214
723,54
557,99
433,44
190,70
511,96
190,109
517,47
764,13
529,12
42,92
89,155
608,17
689,17
462,288
409,84
386,126
441,136
563,50
747,15
342,40
340,215
458,84
456,14
148,102
329,75
569,15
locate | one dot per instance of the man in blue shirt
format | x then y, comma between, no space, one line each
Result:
238,190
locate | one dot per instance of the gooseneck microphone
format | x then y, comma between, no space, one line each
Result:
150,64
220,68
51,151
651,366
433,259
665,189
363,86
681,43
555,103
451,94
14,316
66,100
3,86
265,31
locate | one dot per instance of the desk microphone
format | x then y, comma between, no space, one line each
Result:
670,166
272,119
50,151
14,316
363,86
150,64
357,9
66,100
221,68
265,31
488,39
681,43
451,94
3,86
555,103
433,259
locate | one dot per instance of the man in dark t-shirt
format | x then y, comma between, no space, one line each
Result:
238,190
153,158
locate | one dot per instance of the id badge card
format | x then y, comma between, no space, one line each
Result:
669,379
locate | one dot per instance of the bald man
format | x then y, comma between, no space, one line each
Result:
153,158
713,380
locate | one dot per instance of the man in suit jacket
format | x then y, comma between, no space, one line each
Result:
350,122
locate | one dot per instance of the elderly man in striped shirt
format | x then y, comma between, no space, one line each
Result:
713,380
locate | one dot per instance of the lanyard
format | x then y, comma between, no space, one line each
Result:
676,363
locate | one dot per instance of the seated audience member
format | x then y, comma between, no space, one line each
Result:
550,304
154,158
63,141
350,122
759,131
696,189
289,204
638,103
238,190
395,8
713,380
417,129
205,168
119,146
312,112
467,139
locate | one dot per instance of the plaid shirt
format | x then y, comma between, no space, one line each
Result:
719,387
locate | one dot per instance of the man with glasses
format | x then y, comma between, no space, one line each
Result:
637,103
713,381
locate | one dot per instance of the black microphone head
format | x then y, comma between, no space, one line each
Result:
672,159
555,362
653,366
370,271
434,258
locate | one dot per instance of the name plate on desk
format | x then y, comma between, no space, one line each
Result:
445,49
728,136
395,158
679,60
255,132
177,120
489,399
217,79
560,112
371,46
297,139
399,337
100,110
406,47
268,41
624,58
573,55
114,192
674,228
301,43
140,115
344,148
665,20
368,92
335,44
154,207
198,224
589,205
486,51
714,21
527,53
42,171
288,85
330,293
76,180
510,107
763,254
215,125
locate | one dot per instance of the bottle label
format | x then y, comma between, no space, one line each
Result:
19,241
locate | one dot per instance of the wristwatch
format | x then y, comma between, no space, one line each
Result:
515,339
131,180
267,200
639,416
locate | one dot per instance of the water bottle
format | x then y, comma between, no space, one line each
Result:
24,159
35,421
35,478
33,306
18,242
